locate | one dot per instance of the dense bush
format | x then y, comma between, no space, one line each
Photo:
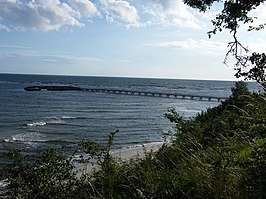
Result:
220,153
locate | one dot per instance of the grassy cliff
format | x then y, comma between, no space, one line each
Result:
220,153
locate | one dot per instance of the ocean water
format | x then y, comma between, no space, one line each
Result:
36,120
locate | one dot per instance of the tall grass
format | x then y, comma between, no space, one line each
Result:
218,154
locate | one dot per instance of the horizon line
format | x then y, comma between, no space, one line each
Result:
102,76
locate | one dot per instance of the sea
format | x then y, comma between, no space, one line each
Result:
36,120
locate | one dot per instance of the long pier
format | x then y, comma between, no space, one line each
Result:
127,92
157,94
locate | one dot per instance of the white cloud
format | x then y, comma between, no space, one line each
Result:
84,8
259,13
18,54
171,13
193,44
44,15
167,5
257,46
26,53
117,10
13,46
210,46
5,28
64,58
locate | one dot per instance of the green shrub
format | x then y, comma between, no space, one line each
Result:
220,153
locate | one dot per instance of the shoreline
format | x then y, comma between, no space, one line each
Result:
123,154
119,154
136,151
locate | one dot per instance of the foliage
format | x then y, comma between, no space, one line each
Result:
258,71
51,174
234,14
42,176
220,153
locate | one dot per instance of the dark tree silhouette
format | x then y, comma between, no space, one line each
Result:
250,66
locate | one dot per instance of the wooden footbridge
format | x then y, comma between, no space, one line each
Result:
127,92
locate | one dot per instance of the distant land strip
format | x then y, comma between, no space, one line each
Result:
126,92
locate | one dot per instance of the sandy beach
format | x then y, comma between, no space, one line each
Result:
137,151
120,154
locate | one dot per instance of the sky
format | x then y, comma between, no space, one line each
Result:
121,38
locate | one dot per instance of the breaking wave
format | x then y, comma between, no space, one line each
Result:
33,138
69,117
37,124
54,120
25,138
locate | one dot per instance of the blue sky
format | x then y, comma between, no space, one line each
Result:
141,38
